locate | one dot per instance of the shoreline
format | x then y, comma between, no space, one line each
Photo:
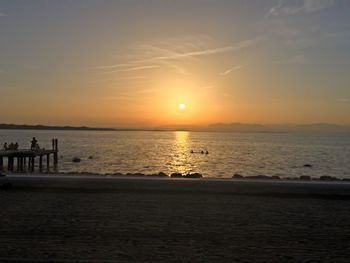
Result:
173,176
217,186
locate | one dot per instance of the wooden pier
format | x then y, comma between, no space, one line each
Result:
24,160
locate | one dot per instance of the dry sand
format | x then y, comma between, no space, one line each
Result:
88,219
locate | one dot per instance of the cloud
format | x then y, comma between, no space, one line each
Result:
317,5
284,10
300,59
3,71
304,36
230,70
133,78
116,66
211,51
133,69
287,8
289,36
173,53
2,14
176,67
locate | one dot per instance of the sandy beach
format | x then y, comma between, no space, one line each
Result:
91,219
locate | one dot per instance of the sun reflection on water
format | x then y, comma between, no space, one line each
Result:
180,155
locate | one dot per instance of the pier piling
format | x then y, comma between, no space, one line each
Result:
48,162
40,163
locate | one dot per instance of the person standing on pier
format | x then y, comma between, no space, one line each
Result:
5,146
34,144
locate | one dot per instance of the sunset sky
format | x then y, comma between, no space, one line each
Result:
131,63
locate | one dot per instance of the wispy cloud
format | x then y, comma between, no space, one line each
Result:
122,79
174,54
179,69
230,70
132,78
301,37
317,5
3,71
287,8
2,14
116,66
284,10
211,51
300,59
132,69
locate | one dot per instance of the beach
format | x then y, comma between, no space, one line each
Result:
100,219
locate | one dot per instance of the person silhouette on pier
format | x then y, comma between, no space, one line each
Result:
5,146
34,145
11,145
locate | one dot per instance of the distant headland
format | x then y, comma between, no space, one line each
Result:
47,127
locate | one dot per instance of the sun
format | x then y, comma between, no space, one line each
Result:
182,106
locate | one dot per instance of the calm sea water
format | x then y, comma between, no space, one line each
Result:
280,154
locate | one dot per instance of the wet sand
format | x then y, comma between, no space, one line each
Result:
88,219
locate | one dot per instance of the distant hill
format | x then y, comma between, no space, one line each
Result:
45,127
241,127
261,128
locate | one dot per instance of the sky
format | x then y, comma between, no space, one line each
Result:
131,63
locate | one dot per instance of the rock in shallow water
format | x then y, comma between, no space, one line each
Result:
328,178
193,175
136,174
237,176
260,176
307,165
176,175
305,178
264,177
162,174
76,160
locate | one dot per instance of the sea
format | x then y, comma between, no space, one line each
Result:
213,154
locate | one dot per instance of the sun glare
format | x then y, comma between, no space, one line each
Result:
182,106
